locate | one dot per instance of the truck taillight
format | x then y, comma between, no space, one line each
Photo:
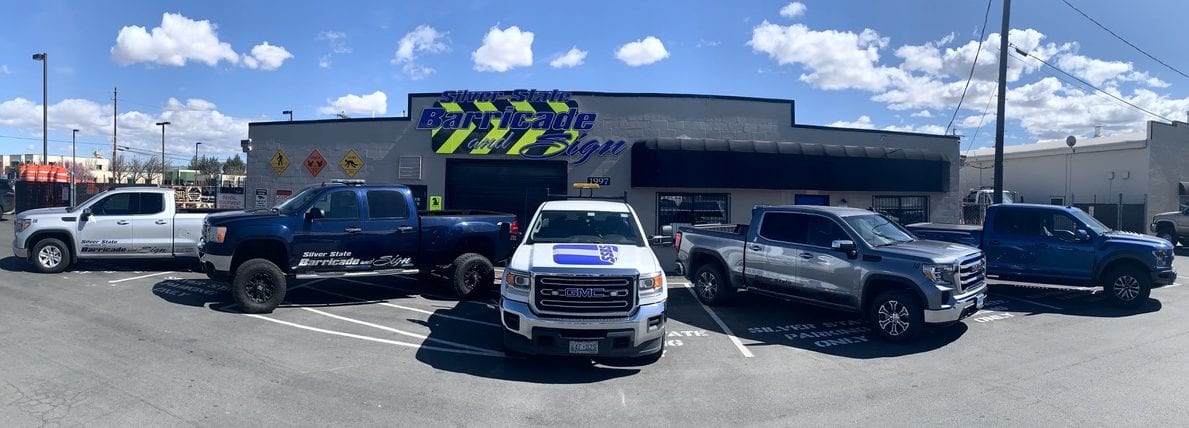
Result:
514,231
677,240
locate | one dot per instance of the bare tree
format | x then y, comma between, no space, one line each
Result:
119,168
81,171
135,169
152,170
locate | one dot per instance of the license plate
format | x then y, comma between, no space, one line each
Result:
980,300
584,347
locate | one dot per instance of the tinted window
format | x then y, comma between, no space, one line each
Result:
1017,223
1059,226
785,227
151,203
823,231
117,204
692,208
340,205
386,204
588,227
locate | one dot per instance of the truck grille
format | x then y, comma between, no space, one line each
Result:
972,272
584,295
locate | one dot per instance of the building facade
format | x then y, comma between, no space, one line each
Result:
678,158
1123,179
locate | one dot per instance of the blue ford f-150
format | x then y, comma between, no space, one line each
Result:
347,229
1051,244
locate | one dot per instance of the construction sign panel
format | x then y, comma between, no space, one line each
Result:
435,203
315,163
279,162
351,163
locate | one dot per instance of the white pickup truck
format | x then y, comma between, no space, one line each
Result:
121,223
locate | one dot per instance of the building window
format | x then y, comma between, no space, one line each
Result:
903,209
692,208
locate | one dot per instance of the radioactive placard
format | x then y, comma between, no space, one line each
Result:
279,162
315,163
351,163
435,203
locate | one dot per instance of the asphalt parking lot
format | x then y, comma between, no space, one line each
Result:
158,344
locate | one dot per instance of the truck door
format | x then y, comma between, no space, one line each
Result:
392,226
826,274
771,260
333,241
1059,254
108,231
152,228
1011,246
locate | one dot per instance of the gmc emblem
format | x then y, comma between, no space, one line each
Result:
584,292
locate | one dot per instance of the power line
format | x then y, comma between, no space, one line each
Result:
1079,11
987,108
1087,84
981,34
174,155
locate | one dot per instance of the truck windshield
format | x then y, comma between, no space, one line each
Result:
1091,222
877,230
295,203
587,227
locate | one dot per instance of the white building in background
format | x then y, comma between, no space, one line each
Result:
1147,171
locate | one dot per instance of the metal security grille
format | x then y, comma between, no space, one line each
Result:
692,208
902,209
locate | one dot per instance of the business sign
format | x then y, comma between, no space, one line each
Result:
279,162
261,198
602,181
527,123
315,162
351,163
230,198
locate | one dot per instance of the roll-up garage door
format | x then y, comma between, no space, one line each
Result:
511,186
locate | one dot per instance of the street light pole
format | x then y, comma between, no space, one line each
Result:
73,165
162,125
196,152
290,113
44,110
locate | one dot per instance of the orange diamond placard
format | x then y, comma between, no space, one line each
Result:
315,163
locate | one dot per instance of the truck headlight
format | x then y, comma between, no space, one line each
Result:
939,274
217,234
23,224
1163,257
516,282
651,284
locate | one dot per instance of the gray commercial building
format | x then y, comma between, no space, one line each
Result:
679,158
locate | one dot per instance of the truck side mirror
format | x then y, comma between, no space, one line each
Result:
662,241
1081,235
845,246
667,229
314,214
86,215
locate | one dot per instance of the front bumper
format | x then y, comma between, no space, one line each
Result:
1164,277
211,262
961,308
20,252
529,333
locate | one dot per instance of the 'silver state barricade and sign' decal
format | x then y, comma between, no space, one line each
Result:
527,123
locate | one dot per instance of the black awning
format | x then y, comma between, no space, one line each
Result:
1184,190
742,164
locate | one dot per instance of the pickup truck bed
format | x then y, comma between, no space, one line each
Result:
966,234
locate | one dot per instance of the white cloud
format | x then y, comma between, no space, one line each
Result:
374,103
423,39
792,10
324,62
266,57
864,122
4,69
180,39
337,40
642,52
923,113
833,59
504,50
707,43
574,57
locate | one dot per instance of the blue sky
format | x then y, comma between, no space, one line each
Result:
887,65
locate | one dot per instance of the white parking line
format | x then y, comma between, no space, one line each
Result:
376,339
137,277
1028,301
726,330
406,308
397,331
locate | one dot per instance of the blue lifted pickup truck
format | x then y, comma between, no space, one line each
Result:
347,229
1050,244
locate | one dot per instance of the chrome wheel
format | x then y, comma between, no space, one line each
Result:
707,286
1126,287
260,288
893,318
50,256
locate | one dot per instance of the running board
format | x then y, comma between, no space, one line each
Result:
317,275
800,299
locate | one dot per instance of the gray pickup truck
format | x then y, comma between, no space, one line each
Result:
1172,226
121,223
841,258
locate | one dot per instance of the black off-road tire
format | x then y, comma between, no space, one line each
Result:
471,275
896,316
50,255
259,286
712,286
1127,287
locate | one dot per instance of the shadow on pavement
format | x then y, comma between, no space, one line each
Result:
1033,300
15,264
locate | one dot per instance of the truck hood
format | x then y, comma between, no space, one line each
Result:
235,216
1168,215
43,212
934,251
1120,237
584,257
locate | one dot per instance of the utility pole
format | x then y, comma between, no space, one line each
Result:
115,117
44,58
999,119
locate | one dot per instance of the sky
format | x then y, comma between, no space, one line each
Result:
212,67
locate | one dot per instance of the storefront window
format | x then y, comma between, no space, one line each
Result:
692,208
902,209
